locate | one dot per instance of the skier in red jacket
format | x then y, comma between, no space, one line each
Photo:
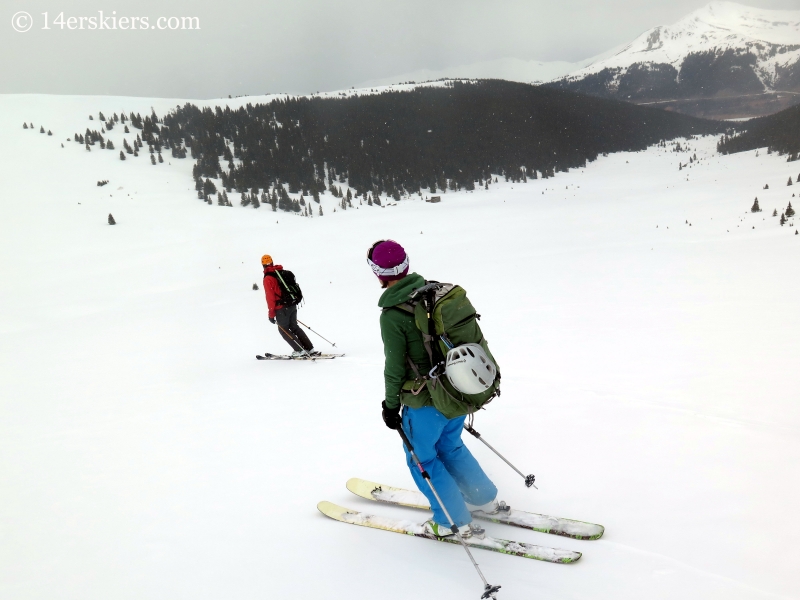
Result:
285,317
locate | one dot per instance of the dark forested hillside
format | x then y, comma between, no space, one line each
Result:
779,132
428,138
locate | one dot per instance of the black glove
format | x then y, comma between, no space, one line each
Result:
272,320
391,416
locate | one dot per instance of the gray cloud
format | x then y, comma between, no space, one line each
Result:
249,47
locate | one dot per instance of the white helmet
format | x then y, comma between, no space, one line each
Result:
469,369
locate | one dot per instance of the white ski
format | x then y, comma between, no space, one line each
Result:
543,523
268,356
345,515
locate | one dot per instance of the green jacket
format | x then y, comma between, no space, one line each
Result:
402,339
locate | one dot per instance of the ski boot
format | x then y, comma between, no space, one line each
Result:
490,508
467,531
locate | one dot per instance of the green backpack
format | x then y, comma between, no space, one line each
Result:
446,318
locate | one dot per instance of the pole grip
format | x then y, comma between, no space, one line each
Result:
472,431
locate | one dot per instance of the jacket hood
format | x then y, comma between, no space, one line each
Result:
273,268
400,292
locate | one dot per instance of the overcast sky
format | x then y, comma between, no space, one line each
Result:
299,46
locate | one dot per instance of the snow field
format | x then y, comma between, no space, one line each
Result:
648,378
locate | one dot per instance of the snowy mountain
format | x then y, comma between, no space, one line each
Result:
724,59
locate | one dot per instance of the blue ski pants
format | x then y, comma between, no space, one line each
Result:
454,472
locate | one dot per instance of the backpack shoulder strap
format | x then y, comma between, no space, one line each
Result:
405,307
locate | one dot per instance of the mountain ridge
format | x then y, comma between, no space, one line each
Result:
723,60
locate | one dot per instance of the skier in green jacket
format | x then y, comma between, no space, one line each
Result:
456,475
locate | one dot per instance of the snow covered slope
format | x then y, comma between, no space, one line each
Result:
645,320
721,50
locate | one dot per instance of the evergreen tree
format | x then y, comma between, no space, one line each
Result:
254,200
160,159
790,180
102,118
110,145
775,213
755,208
111,220
24,125
320,210
49,132
121,155
41,129
783,219
789,210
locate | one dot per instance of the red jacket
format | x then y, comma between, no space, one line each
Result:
272,290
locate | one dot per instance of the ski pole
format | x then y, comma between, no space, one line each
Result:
323,337
489,590
296,341
529,479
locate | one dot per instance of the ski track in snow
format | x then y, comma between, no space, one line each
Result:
649,371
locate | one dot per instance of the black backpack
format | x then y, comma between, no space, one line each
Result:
291,294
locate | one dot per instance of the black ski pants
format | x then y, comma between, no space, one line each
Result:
286,318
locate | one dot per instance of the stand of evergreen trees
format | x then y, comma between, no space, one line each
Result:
779,133
401,142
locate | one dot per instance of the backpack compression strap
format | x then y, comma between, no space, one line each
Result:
436,353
